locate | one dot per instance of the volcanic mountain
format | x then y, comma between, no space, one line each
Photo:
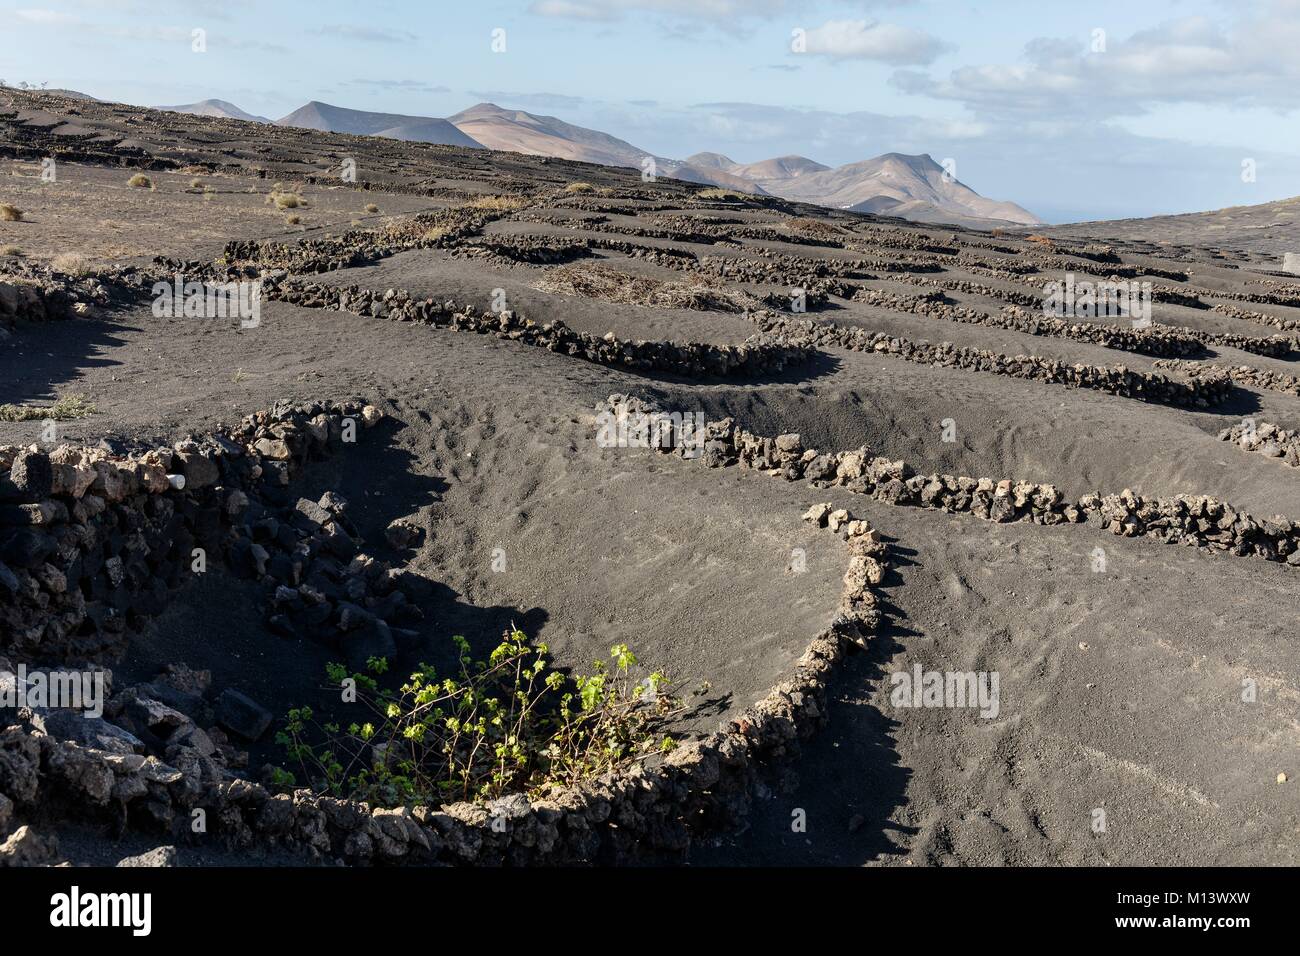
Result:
216,108
338,119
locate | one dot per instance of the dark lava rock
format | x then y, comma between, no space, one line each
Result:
242,715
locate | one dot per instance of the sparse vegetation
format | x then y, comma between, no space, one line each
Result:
435,233
292,219
1041,240
716,193
575,188
9,213
140,181
284,200
510,723
371,208
196,184
10,251
66,409
71,263
498,203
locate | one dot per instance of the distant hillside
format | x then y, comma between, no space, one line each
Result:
1271,228
338,119
895,184
218,108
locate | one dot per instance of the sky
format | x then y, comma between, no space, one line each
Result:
1096,110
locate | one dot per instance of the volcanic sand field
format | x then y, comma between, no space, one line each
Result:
1121,676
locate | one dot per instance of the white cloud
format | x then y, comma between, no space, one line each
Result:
871,40
1247,63
684,9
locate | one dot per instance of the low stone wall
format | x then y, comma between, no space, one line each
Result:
1158,340
650,808
759,355
91,541
1263,318
1265,439
1196,520
1201,391
1241,374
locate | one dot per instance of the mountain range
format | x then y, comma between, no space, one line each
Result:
895,184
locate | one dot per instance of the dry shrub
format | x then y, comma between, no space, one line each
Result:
71,263
575,188
140,181
285,200
717,193
10,251
609,285
372,208
498,203
66,409
10,213
292,220
1041,240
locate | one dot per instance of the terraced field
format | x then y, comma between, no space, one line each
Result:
884,460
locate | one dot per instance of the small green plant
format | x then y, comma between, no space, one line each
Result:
510,723
66,409
10,213
140,181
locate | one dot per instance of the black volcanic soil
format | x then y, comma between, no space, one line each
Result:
1120,691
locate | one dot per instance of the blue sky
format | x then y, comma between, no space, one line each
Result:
1155,114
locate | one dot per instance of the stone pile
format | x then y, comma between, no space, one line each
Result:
1266,439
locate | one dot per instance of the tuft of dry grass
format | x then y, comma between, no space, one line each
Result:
10,251
64,410
575,188
716,193
498,203
196,184
140,181
1041,240
292,219
10,213
71,263
285,200
371,208
435,233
